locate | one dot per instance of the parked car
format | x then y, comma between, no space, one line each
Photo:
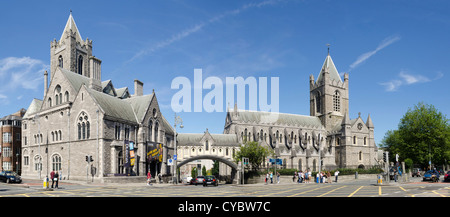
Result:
416,172
431,175
187,180
10,177
210,180
192,181
199,180
447,177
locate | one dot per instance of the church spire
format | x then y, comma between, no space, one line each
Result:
71,26
328,66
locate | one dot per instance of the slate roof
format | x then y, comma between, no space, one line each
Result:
195,138
329,66
70,25
34,107
278,118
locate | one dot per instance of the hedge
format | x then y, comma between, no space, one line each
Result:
342,171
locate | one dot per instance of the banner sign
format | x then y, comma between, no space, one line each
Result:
129,157
154,152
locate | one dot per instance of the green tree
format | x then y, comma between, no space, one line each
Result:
215,169
423,133
255,153
194,172
203,171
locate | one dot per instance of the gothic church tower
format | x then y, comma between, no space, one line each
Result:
329,95
75,55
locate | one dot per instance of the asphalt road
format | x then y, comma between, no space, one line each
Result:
355,188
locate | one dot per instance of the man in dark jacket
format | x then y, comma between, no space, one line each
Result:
52,175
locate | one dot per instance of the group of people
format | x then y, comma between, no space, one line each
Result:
149,178
302,177
322,177
55,177
269,175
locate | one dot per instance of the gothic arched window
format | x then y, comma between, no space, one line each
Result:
60,61
66,96
318,103
56,162
156,131
150,130
84,131
58,95
80,65
337,101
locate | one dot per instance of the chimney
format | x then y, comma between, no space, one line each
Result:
138,88
45,82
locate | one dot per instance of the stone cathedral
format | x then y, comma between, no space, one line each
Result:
86,127
327,136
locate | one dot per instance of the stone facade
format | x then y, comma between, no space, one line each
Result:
82,116
327,135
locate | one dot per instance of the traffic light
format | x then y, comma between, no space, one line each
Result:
89,158
384,157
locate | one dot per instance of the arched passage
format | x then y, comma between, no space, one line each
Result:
210,157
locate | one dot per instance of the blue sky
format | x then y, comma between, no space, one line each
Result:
396,52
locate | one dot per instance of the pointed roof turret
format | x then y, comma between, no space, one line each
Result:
70,25
369,122
346,119
328,66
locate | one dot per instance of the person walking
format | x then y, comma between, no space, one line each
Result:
56,178
309,175
293,178
149,177
336,174
278,177
267,177
329,177
52,176
306,177
271,178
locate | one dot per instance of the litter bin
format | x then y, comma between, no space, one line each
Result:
45,184
380,179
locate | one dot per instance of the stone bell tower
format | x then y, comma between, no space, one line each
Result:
329,95
74,54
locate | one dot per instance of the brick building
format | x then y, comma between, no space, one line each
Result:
11,142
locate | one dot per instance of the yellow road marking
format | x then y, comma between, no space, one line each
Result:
439,194
379,190
308,191
331,191
355,191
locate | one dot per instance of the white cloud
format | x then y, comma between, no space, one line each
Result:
20,72
386,42
408,79
185,33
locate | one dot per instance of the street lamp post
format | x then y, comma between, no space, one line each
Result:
177,120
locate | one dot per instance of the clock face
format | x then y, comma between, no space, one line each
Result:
360,126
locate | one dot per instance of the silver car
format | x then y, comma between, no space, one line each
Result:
199,180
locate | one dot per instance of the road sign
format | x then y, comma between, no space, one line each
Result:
277,161
174,157
169,162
